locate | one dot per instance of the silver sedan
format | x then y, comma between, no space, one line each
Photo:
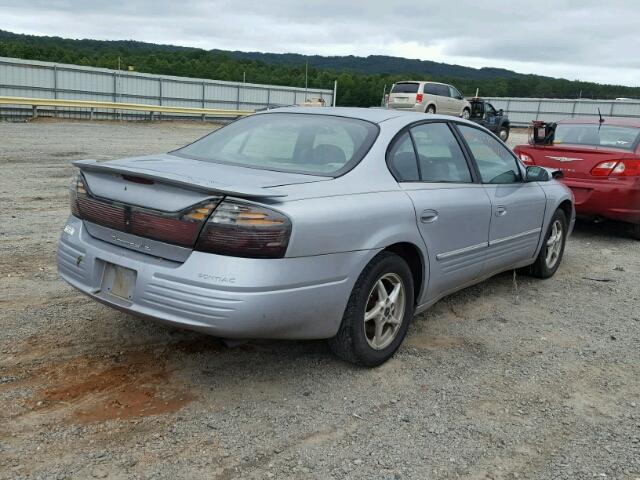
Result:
328,223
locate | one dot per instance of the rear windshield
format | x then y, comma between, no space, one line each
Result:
288,142
596,135
405,87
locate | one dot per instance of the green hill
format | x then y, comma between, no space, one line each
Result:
361,80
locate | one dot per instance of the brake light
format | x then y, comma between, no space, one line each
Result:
245,230
178,228
526,159
419,98
613,168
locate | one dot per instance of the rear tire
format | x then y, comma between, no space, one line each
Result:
550,255
371,342
431,109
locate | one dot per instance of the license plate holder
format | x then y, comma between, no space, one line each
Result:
119,281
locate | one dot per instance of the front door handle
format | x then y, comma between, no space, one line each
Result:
429,216
501,211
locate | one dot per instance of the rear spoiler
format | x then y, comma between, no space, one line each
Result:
201,184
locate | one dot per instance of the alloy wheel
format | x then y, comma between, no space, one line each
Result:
384,311
554,244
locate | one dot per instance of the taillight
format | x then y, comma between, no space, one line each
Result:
419,98
614,168
526,159
179,228
245,230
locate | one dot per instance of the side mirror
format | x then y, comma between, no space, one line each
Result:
501,112
537,174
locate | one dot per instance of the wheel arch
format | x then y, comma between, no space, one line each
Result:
567,208
414,257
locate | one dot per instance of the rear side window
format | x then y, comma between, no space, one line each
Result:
402,160
439,154
430,88
405,87
495,162
442,90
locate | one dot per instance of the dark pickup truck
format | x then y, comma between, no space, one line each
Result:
483,113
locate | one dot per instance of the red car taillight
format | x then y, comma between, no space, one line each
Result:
419,98
180,228
615,168
245,230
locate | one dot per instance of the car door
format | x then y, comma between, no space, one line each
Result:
453,211
456,101
517,206
441,96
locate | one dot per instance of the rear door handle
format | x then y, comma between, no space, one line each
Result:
501,211
429,216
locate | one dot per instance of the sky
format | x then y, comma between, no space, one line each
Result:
575,39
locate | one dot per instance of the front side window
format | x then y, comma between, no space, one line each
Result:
439,154
454,92
287,142
597,135
495,162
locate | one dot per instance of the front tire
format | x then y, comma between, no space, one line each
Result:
378,312
550,255
466,114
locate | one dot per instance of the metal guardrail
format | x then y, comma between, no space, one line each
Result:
92,106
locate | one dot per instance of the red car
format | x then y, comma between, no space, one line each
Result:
601,164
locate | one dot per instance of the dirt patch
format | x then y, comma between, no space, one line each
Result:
85,389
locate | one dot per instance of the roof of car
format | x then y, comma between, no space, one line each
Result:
421,81
618,121
375,115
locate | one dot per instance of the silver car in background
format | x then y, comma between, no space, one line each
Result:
428,97
328,223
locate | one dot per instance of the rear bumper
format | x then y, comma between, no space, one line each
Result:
615,199
296,298
409,107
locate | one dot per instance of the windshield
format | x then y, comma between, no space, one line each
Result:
596,135
288,142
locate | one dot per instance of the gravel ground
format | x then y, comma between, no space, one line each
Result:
513,378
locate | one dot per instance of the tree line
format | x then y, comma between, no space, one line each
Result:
354,88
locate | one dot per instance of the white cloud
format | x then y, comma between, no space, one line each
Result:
587,40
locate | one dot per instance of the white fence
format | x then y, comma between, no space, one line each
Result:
522,111
34,79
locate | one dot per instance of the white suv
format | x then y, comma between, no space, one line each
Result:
428,97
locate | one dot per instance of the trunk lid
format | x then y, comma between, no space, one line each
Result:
159,204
